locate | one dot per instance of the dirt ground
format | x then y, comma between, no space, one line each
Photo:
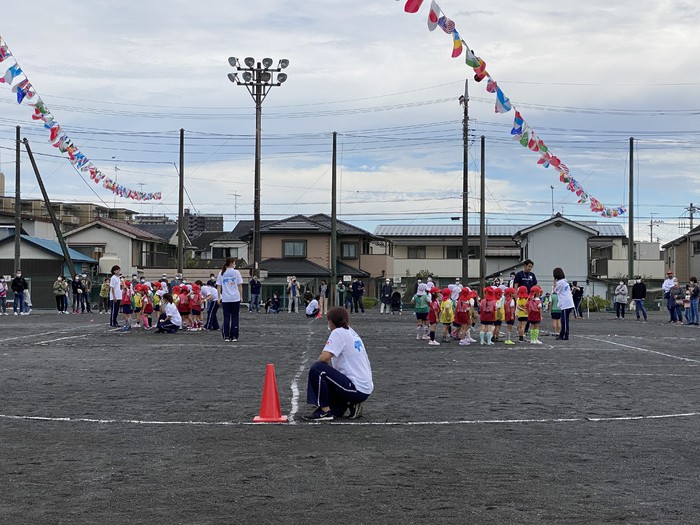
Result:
99,426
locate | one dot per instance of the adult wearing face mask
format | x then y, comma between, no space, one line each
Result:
86,287
639,293
60,289
19,285
620,300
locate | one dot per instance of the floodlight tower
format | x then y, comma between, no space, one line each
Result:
258,79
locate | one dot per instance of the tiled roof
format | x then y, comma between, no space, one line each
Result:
444,230
164,231
204,239
319,223
122,226
243,229
305,268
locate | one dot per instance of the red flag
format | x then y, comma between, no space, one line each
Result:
412,6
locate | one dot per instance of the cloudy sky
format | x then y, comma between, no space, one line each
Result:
123,78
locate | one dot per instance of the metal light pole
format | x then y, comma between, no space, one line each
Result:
258,78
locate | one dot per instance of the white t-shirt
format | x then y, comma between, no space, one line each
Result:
229,281
350,358
313,305
171,311
563,291
209,293
116,286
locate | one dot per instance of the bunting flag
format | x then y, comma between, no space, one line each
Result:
503,104
457,50
433,16
58,137
520,131
412,6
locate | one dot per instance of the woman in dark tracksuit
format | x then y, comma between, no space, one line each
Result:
115,295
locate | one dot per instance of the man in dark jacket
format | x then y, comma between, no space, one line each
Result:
639,293
19,285
387,290
255,286
358,290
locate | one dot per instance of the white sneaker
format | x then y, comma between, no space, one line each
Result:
537,342
433,343
15,313
464,342
418,337
426,337
471,339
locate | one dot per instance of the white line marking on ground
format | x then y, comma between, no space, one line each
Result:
611,419
60,339
295,382
641,349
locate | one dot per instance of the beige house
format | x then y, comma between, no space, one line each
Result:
118,242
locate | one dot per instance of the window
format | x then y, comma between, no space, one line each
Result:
223,253
454,252
348,250
416,252
293,248
696,247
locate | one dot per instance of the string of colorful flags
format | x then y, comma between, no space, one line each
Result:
57,136
521,131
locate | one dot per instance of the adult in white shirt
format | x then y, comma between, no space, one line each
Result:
341,379
170,320
455,290
115,295
229,284
666,287
566,301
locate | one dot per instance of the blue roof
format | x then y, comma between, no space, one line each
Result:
55,248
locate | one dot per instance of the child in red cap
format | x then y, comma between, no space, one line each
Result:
534,314
487,310
509,313
521,311
463,315
434,314
447,315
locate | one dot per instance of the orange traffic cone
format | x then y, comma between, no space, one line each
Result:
270,407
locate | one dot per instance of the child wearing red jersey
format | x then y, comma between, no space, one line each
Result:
183,306
463,315
433,314
196,305
147,308
509,307
487,311
534,314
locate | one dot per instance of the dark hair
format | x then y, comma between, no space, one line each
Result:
229,261
114,269
317,296
693,279
168,297
339,317
558,273
198,282
528,261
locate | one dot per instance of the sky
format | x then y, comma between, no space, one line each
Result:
122,78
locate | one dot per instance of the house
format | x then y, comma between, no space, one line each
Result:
33,226
437,249
41,263
609,259
118,242
682,256
301,246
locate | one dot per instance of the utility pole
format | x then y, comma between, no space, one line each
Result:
235,205
334,225
18,204
630,247
692,210
49,208
464,100
181,208
482,219
653,223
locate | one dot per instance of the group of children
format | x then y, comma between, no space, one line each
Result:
140,301
498,306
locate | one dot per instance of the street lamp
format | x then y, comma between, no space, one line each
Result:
258,78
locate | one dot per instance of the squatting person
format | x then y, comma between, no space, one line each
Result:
341,379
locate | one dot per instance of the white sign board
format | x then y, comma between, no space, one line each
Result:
347,278
397,280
